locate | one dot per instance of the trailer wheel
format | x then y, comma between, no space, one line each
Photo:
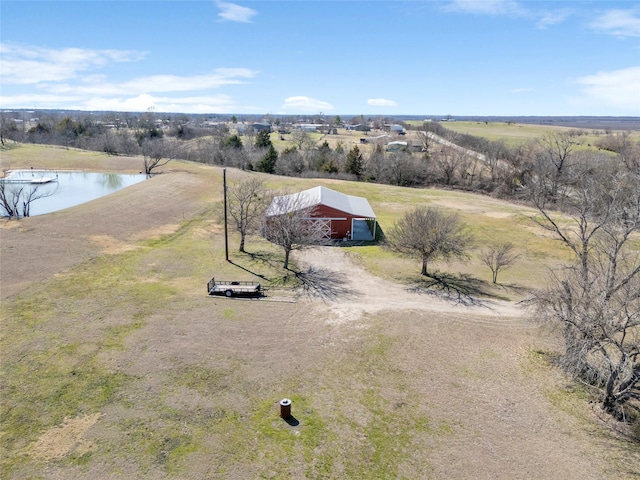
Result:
228,293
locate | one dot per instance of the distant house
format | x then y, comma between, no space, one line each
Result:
257,127
358,128
396,146
335,215
309,127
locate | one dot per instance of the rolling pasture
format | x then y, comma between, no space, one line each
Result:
514,134
115,362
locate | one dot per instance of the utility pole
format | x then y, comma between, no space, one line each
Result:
226,235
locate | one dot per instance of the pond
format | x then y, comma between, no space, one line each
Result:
48,191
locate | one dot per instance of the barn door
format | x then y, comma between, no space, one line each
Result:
321,228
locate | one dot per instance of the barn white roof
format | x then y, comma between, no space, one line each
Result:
357,206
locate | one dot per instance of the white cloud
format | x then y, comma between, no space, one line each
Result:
487,7
138,103
618,88
176,83
141,103
381,102
95,85
235,13
21,65
305,104
624,23
548,19
67,78
513,8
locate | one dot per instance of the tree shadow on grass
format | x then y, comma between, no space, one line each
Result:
268,259
247,270
264,259
461,289
324,284
315,283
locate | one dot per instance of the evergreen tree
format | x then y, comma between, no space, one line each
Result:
329,167
263,139
268,162
355,162
234,141
324,149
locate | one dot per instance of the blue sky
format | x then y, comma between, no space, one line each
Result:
415,57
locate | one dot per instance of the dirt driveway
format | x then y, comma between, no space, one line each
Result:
350,292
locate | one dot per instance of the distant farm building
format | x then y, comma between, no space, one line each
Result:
396,146
257,127
358,128
395,128
310,127
335,215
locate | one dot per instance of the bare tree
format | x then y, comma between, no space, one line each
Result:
630,154
376,165
248,201
448,160
157,152
299,138
554,162
290,163
498,257
494,154
289,224
593,204
427,142
596,299
16,199
428,233
10,200
517,171
303,141
558,147
404,169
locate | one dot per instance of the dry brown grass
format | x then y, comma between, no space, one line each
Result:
104,317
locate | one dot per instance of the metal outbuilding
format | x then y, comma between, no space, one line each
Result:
336,215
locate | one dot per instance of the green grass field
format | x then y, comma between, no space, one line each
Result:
514,134
173,384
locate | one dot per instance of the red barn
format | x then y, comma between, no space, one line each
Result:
335,215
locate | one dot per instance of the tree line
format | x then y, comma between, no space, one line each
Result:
496,168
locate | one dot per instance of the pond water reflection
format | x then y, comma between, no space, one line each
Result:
66,189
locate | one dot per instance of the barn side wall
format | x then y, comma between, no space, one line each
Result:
339,228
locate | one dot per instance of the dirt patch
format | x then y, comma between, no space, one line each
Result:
110,245
65,438
350,292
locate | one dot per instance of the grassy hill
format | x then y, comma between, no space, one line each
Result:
116,363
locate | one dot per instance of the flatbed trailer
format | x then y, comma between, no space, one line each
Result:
233,288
